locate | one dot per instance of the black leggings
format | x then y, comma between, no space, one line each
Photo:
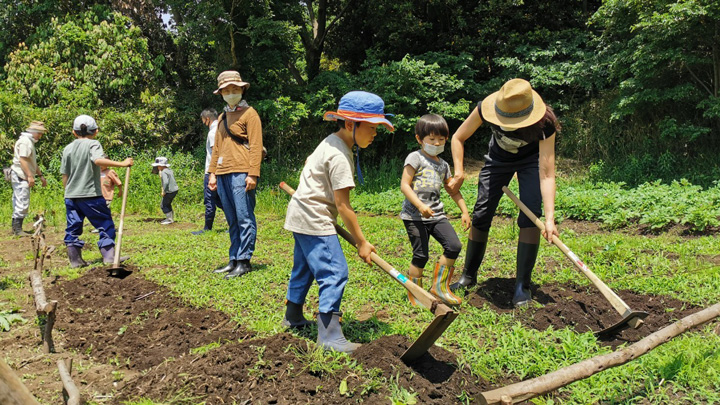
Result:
166,204
419,233
493,177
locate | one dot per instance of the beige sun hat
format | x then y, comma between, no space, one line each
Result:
36,126
515,105
229,77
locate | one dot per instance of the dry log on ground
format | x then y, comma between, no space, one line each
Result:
532,388
70,390
12,390
44,308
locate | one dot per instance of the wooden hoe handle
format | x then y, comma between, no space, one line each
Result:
427,300
118,245
617,303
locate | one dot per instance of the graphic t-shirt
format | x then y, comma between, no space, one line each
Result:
427,182
78,163
312,209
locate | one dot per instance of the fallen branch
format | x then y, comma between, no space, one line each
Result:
12,390
44,308
139,297
70,390
532,388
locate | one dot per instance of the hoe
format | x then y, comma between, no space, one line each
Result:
444,316
117,270
629,317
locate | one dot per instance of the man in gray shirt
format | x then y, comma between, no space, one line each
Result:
23,172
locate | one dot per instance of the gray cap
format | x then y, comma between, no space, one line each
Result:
87,120
160,161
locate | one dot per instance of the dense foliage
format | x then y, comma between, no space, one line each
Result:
635,82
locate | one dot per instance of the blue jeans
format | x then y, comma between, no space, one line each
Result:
318,258
96,210
239,207
212,202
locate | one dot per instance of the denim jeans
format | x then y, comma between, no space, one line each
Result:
96,210
212,202
239,207
318,258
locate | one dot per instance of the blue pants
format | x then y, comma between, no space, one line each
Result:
318,258
212,202
96,210
239,207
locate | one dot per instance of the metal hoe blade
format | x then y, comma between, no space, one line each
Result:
428,337
634,317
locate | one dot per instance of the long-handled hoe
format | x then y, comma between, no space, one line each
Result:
117,270
629,317
444,315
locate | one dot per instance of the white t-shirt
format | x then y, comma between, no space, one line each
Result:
24,147
209,143
312,209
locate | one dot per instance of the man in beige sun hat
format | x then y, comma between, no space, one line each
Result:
523,131
23,173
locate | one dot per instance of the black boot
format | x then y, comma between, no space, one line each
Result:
17,224
208,227
475,253
229,267
243,267
526,257
294,316
330,335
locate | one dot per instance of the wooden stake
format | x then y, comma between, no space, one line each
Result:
532,388
70,390
44,308
12,390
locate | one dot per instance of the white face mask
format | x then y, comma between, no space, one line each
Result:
232,99
433,150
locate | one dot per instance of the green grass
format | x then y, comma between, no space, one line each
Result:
493,346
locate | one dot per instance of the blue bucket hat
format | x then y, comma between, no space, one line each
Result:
361,106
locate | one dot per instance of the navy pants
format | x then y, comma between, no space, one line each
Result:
493,176
318,258
96,210
239,207
212,203
166,203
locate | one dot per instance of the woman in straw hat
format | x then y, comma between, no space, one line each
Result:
235,168
523,141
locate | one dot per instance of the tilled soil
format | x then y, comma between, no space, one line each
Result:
270,371
116,320
582,308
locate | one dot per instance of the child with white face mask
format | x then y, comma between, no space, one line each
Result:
422,210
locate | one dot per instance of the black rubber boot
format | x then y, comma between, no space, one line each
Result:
243,267
475,253
330,335
294,316
17,224
75,256
526,257
208,227
229,267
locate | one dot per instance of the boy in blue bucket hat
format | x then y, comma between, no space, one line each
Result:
322,194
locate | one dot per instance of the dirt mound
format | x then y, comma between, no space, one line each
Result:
253,371
434,376
132,321
582,308
267,371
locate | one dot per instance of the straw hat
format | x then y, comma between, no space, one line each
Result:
229,77
515,105
36,126
361,106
